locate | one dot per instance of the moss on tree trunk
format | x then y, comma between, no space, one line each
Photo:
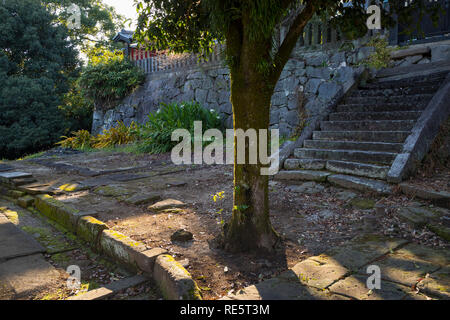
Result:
250,228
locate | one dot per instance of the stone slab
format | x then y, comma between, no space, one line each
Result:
14,242
308,175
360,251
124,177
419,50
143,198
37,188
401,269
27,275
361,184
436,256
110,289
15,175
317,274
23,181
355,286
282,288
5,167
437,284
441,198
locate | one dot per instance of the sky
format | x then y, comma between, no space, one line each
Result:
125,8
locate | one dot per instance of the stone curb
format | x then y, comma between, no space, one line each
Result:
422,134
90,230
174,280
120,247
57,211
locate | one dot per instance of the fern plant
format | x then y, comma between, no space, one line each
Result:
118,135
155,135
81,139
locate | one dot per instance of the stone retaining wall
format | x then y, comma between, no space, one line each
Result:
311,82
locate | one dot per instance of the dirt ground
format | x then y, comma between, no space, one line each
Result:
309,217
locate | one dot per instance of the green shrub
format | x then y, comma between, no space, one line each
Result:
155,135
110,80
80,140
118,135
381,58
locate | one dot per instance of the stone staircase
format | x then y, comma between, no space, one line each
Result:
366,132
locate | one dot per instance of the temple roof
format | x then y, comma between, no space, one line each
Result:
124,36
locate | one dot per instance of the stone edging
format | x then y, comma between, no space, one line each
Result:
171,277
419,141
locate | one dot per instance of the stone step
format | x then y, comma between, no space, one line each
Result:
361,184
358,169
386,136
353,145
371,125
392,115
347,167
308,175
417,89
406,83
346,155
307,164
408,99
432,79
381,107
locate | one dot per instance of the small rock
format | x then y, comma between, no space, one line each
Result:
181,235
167,204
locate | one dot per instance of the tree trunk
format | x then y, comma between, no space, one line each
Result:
250,228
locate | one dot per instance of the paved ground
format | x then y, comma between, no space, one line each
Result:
408,272
311,217
23,269
34,256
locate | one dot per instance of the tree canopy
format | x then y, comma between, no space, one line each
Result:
98,22
36,61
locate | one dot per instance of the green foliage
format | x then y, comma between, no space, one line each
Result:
80,140
99,22
118,135
77,108
110,78
156,133
115,136
381,58
36,63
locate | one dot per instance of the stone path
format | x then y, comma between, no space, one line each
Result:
408,272
23,269
27,246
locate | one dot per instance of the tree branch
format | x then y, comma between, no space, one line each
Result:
296,29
